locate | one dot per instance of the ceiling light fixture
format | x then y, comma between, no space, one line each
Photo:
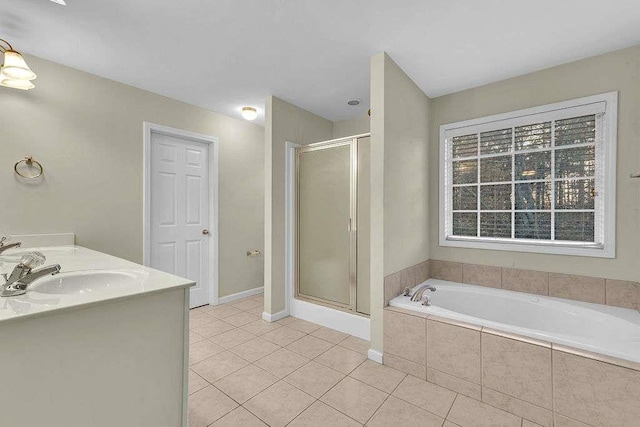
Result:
61,2
14,72
249,113
354,102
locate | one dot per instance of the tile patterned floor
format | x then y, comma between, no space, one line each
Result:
248,372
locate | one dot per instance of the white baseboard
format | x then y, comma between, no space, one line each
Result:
275,316
348,323
375,355
240,295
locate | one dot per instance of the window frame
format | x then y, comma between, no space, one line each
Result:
596,104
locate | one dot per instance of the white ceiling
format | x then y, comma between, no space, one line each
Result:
224,54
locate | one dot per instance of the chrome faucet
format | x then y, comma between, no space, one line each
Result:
418,295
23,274
4,246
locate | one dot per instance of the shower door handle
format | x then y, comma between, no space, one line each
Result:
350,226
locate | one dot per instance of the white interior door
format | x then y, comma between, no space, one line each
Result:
179,217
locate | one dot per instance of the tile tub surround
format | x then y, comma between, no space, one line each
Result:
618,293
319,379
395,283
533,380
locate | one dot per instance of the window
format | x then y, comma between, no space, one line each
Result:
535,180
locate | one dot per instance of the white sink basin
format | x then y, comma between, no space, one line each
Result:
84,282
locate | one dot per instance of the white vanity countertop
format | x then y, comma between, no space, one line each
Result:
78,259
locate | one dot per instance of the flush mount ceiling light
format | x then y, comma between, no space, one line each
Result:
61,2
14,72
249,113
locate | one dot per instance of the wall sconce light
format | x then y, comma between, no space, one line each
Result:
15,73
249,113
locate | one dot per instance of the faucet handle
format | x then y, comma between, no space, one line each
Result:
33,259
407,292
3,239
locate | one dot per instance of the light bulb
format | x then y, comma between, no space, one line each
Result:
249,113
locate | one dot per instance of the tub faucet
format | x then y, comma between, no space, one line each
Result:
417,295
4,246
23,274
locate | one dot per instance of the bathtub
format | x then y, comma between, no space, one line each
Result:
597,328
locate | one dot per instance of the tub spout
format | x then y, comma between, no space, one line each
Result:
417,295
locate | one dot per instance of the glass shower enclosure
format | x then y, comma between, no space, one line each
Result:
332,223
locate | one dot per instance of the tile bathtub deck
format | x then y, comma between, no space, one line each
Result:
247,372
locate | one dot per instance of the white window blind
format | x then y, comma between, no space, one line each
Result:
533,180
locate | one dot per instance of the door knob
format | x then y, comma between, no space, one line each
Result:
205,231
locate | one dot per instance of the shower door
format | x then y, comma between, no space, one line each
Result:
327,224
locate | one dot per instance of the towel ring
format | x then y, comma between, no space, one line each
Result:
28,160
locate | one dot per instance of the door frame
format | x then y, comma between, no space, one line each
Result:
212,141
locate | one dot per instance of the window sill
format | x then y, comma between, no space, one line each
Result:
577,249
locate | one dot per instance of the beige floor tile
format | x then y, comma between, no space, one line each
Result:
194,338
310,346
283,336
527,423
260,327
258,310
330,335
219,366
201,350
341,359
448,423
241,318
246,304
467,412
196,382
196,314
208,405
314,379
285,320
213,328
232,338
356,344
254,349
562,421
396,412
279,404
303,326
239,417
377,375
245,383
282,362
355,399
428,396
450,382
222,311
199,319
321,415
